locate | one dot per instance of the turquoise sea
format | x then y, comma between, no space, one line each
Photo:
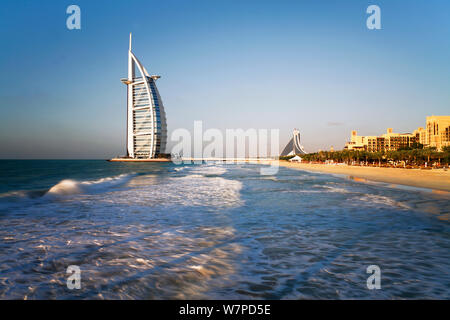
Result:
215,231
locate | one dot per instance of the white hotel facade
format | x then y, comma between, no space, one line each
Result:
146,119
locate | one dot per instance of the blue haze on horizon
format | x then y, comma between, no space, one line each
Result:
311,65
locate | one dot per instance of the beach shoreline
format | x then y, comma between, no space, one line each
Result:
436,179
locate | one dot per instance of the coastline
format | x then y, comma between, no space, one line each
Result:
138,160
436,179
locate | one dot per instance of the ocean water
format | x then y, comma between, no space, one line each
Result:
215,231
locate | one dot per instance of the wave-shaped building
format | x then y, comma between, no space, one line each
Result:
293,147
146,119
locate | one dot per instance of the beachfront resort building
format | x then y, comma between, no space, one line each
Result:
386,142
146,119
436,134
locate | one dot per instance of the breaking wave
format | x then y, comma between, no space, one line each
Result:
63,188
68,187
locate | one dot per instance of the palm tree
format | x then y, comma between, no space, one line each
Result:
427,152
378,155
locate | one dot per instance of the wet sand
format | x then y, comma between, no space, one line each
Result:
436,179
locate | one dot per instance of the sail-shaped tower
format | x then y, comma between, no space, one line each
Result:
146,119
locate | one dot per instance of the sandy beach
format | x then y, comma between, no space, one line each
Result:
436,179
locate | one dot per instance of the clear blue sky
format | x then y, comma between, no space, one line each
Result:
312,65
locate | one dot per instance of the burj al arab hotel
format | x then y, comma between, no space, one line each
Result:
146,119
